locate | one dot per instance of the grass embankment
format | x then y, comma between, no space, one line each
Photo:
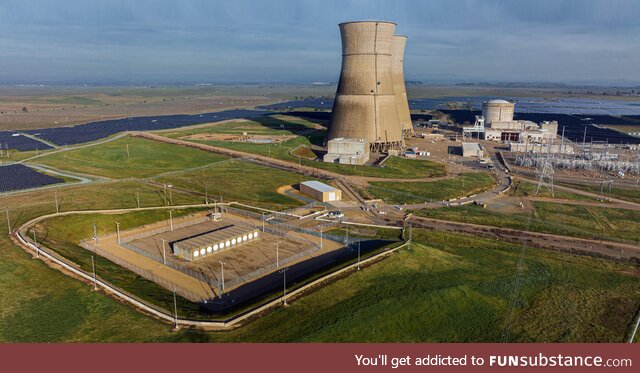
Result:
446,288
298,150
145,158
527,189
237,180
62,234
439,190
631,194
556,218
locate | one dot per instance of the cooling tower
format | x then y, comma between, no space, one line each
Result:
397,75
365,105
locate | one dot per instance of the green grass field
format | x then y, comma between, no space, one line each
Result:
395,167
446,288
64,233
419,192
146,158
556,218
237,180
527,189
631,194
269,125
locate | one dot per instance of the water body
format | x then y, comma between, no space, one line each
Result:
523,105
572,113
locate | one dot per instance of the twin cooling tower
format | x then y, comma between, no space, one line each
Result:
371,99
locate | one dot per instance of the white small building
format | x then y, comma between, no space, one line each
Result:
320,191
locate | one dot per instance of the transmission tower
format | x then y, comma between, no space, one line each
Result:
546,174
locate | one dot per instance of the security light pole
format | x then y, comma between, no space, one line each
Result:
164,252
346,241
165,193
221,276
95,279
284,284
358,255
138,197
55,195
118,232
8,222
320,238
175,309
171,219
277,254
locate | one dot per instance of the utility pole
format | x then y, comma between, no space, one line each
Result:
164,252
284,274
95,233
8,222
358,255
221,276
138,197
320,238
278,254
118,232
55,195
95,279
175,309
127,151
165,193
346,241
263,222
171,219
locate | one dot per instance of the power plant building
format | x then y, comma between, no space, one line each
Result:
499,125
347,151
366,105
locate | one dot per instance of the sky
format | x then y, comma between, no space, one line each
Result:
298,41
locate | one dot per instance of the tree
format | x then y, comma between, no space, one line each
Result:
24,109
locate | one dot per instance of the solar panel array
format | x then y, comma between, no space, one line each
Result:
98,130
14,140
17,177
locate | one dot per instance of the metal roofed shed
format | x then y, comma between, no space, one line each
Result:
209,243
472,149
320,191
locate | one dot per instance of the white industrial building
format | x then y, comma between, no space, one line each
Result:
497,124
347,151
520,147
320,191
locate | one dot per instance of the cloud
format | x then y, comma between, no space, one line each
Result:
299,39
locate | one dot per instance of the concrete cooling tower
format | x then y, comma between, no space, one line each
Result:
365,106
397,75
